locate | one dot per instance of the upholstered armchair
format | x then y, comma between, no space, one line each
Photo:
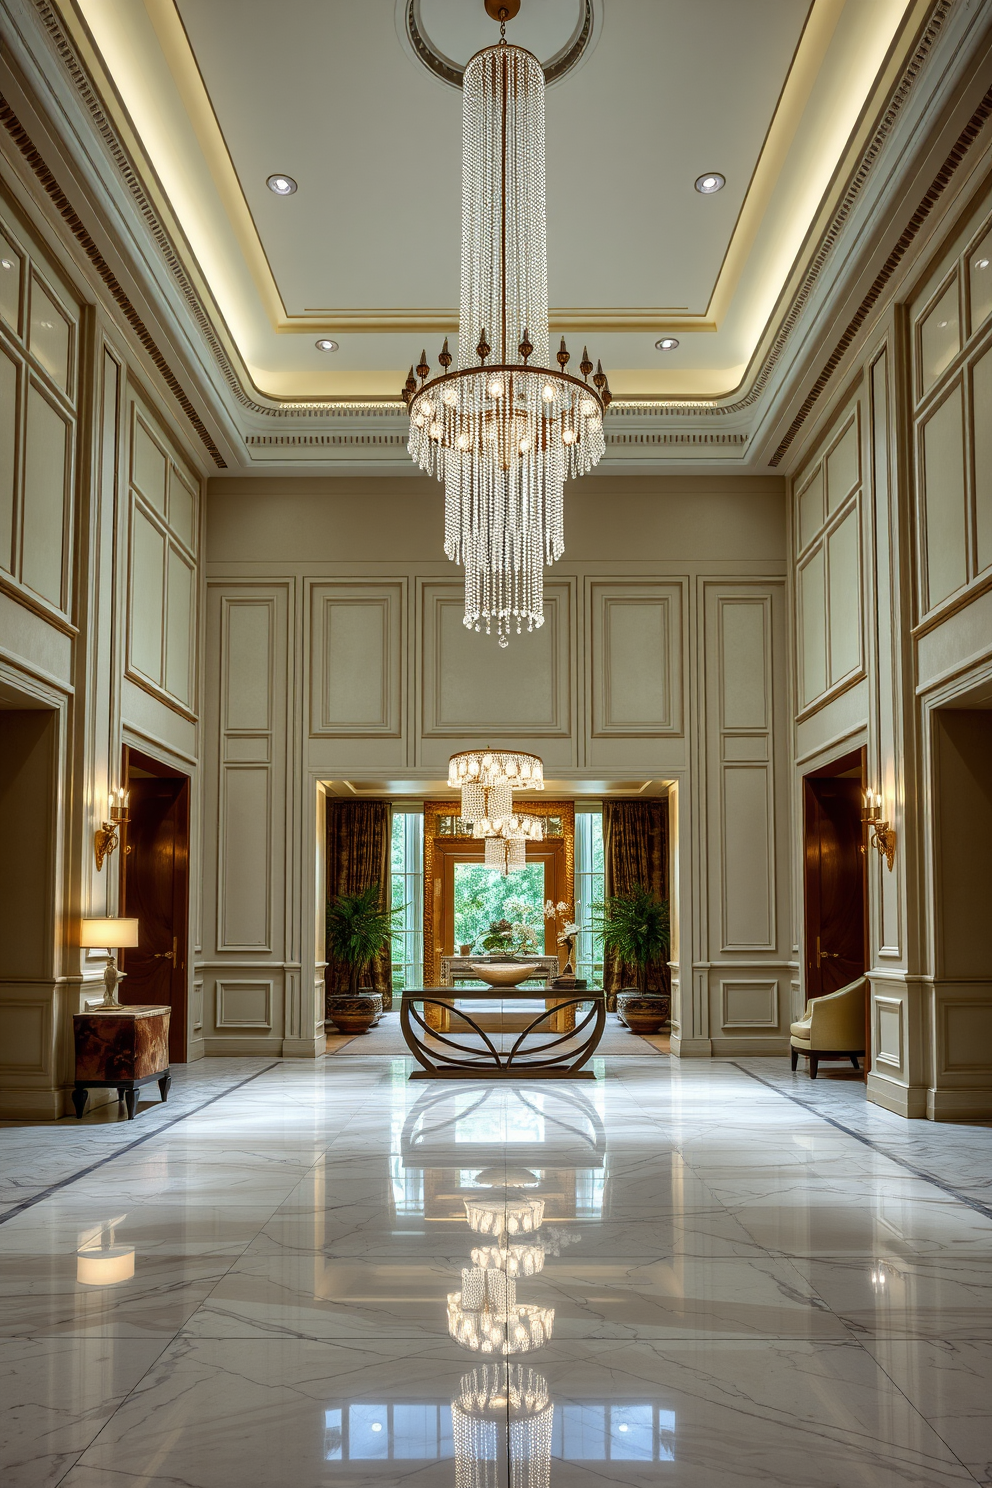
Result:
832,1027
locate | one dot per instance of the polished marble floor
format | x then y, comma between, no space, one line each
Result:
696,1274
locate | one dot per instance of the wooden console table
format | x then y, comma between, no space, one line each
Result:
121,1049
444,1055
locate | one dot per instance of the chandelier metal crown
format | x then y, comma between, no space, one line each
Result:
506,429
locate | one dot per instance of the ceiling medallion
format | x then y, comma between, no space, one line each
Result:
505,430
427,50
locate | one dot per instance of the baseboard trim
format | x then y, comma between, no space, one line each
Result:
685,1048
311,1048
903,1100
959,1105
737,1048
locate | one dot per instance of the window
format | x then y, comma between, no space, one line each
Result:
407,894
589,890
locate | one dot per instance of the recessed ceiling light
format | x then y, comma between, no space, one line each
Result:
325,345
711,182
667,343
980,263
281,185
6,263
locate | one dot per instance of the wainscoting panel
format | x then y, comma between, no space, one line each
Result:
749,1004
357,659
635,658
241,1004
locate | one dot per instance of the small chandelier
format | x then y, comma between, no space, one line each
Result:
501,1422
487,779
513,1260
505,430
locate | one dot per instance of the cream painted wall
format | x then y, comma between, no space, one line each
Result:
891,536
100,536
336,650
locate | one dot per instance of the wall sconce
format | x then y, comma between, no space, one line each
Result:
107,836
109,934
880,835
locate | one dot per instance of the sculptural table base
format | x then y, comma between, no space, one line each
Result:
443,1054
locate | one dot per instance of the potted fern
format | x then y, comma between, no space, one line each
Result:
635,928
358,929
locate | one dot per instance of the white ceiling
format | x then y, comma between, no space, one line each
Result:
225,92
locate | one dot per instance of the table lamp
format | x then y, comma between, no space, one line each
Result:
111,935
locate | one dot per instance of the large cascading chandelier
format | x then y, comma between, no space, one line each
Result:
506,429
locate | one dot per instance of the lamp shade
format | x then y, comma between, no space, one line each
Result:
109,934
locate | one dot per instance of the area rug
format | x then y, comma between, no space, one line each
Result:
386,1039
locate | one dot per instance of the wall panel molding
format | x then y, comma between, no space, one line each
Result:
357,656
474,690
634,631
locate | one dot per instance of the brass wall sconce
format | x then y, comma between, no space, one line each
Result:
880,835
107,836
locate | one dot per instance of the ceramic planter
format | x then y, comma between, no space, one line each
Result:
355,1013
644,1012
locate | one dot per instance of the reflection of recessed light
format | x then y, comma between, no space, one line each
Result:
6,263
281,185
376,1425
622,1426
667,343
980,263
710,183
943,324
325,345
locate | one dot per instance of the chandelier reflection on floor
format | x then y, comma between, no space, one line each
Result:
505,430
486,1317
492,1398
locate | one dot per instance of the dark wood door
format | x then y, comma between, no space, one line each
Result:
155,890
835,880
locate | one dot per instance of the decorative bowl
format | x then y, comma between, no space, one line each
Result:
505,973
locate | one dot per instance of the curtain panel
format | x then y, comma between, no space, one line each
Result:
358,839
635,849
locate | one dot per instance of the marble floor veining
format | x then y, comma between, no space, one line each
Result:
701,1273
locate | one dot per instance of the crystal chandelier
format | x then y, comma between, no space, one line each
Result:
505,430
487,779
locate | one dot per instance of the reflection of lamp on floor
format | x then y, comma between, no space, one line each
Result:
99,1261
489,1397
111,935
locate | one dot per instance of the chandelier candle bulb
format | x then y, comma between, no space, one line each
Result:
504,438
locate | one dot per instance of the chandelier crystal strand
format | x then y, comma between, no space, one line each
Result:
506,429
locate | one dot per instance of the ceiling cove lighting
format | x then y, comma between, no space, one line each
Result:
324,344
505,430
281,185
711,183
667,343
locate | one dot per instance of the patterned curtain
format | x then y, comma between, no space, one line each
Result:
358,836
635,848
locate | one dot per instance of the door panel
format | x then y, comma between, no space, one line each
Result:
155,890
834,879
